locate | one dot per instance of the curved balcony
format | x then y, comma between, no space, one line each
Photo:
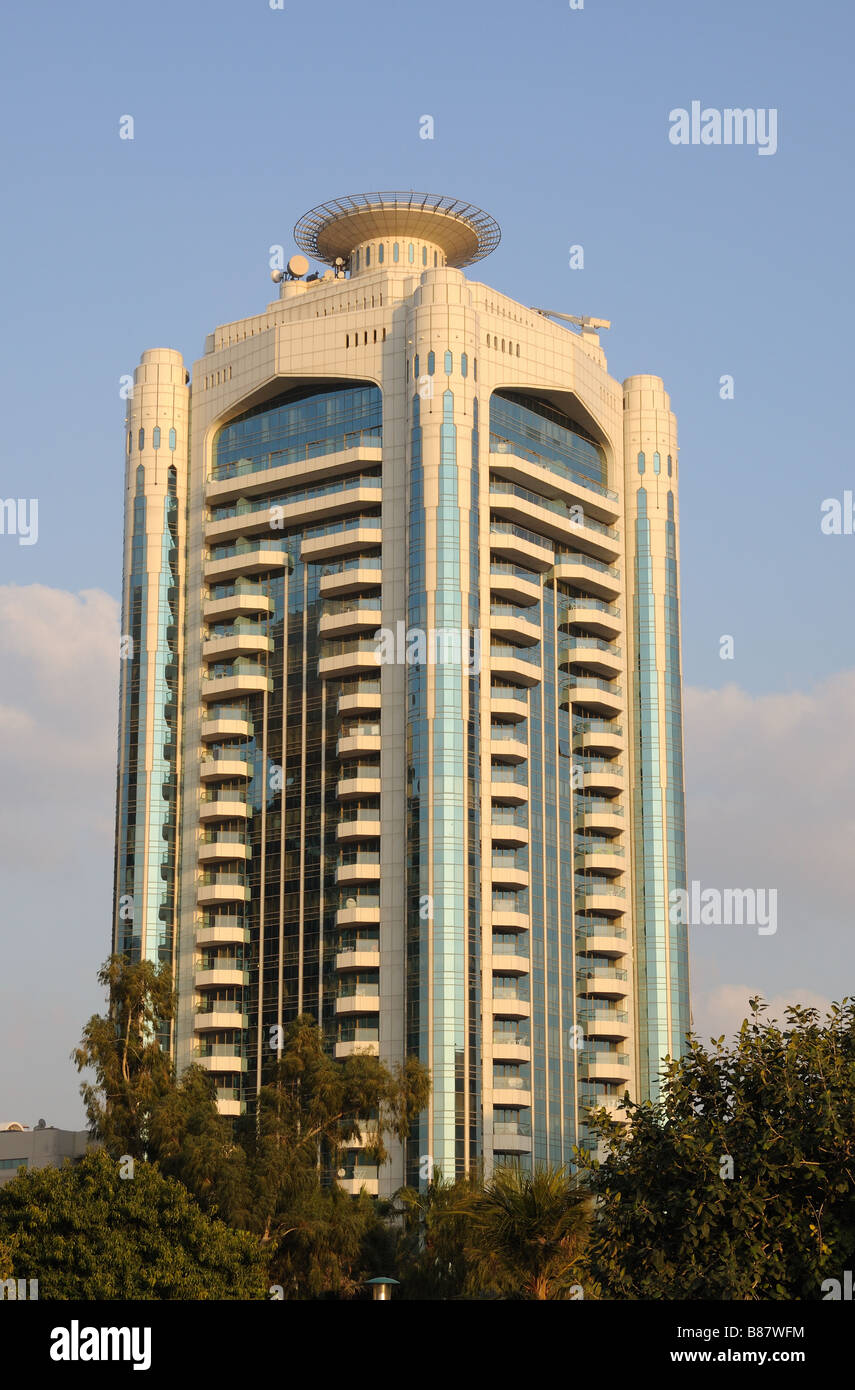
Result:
353,1186
359,740
514,664
231,844
224,973
590,692
599,856
357,617
360,866
603,658
359,781
513,584
605,1025
508,743
249,477
355,1047
359,697
591,614
506,962
243,560
343,540
512,1095
598,813
359,915
245,599
223,806
219,1017
225,726
588,573
520,546
351,579
508,702
604,941
564,522
507,832
603,982
509,918
509,1141
325,501
230,931
357,958
212,769
363,826
507,624
506,1005
230,1060
248,680
604,897
507,785
603,1066
507,1049
242,641
222,888
349,658
600,774
601,736
504,873
519,464
367,1002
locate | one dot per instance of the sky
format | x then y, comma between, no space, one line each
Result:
709,260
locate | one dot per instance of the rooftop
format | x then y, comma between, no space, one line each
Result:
333,230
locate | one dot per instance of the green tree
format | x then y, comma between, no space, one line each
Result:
85,1232
527,1234
739,1183
431,1252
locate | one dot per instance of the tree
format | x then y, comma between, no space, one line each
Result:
132,1071
87,1233
527,1234
739,1183
431,1256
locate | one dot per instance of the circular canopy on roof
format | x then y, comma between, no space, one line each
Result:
465,233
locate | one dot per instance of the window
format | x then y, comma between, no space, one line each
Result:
141,445
395,253
657,463
412,255
416,366
641,463
431,362
435,258
356,259
669,465
448,364
474,368
172,439
367,257
464,364
155,437
518,349
347,340
381,253
424,255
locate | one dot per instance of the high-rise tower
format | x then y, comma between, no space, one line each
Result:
401,733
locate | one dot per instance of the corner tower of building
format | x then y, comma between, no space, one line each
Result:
405,618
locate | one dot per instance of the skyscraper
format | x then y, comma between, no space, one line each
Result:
400,730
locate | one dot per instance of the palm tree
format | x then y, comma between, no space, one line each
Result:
527,1234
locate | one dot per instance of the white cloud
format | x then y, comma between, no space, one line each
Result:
722,1010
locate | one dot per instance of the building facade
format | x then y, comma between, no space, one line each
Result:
400,732
42,1147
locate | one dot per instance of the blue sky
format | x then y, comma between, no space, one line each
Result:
708,261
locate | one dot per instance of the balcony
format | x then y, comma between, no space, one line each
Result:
241,680
355,1047
221,1061
245,599
603,775
248,518
366,1002
222,888
251,477
508,624
507,831
359,697
510,1141
359,780
598,854
606,982
223,805
604,1066
225,972
510,961
505,1093
520,546
590,692
229,1101
341,540
224,722
506,784
518,664
355,1185
598,736
605,1025
364,911
602,896
218,767
219,1017
561,521
588,573
227,931
508,702
507,1048
243,640
513,584
603,658
350,617
348,658
597,813
351,579
247,558
505,873
232,844
357,740
508,743
507,1005
365,825
358,958
358,866
604,940
523,465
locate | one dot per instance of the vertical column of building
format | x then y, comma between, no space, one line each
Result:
155,493
659,857
442,724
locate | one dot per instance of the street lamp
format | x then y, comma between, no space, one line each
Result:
381,1287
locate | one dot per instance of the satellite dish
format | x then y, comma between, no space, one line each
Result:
277,275
297,266
339,260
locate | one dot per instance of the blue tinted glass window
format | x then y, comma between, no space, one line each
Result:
641,463
464,364
412,255
535,430
395,252
424,255
172,439
155,437
669,465
367,256
657,463
416,366
142,439
381,253
448,365
431,363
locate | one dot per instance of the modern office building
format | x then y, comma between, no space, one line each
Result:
41,1147
456,839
